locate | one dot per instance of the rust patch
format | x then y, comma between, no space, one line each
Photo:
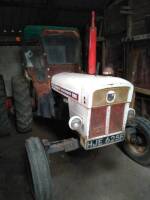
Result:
43,87
116,118
98,122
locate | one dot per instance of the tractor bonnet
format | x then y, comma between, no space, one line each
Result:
91,90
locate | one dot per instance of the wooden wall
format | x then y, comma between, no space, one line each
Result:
141,16
114,31
129,55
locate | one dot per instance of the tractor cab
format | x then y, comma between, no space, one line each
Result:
58,48
62,47
48,51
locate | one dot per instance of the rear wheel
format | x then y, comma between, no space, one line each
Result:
5,125
22,104
137,143
40,170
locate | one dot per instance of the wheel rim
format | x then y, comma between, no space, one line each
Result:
138,143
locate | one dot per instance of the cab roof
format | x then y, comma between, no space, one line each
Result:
33,32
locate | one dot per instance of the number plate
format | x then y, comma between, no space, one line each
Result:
103,141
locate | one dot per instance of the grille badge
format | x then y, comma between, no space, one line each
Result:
110,96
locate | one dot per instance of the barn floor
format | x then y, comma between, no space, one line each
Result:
104,174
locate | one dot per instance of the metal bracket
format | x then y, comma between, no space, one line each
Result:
66,145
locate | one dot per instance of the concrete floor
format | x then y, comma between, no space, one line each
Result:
103,174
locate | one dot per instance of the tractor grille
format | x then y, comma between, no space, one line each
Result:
106,120
116,118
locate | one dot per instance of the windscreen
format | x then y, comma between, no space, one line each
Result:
62,49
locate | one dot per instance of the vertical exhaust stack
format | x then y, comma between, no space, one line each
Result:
92,47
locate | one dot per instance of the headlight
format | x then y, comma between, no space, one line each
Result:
75,123
131,114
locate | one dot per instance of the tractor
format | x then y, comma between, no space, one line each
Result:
99,109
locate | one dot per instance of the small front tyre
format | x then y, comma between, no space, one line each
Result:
137,142
39,168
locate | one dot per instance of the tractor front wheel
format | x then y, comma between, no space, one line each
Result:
137,142
40,176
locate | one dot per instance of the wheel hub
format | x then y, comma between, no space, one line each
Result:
137,143
136,140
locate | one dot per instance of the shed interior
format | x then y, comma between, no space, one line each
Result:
123,37
123,33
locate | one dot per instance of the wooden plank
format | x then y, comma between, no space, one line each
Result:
126,12
142,91
141,37
113,3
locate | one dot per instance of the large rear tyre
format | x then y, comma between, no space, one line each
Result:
22,104
40,170
5,124
137,142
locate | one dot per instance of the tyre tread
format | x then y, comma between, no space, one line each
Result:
144,159
22,103
40,169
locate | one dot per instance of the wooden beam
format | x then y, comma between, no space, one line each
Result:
142,91
111,3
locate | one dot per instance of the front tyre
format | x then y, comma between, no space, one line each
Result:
137,142
39,168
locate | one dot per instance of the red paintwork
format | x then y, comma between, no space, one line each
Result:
65,32
43,87
98,122
92,47
116,118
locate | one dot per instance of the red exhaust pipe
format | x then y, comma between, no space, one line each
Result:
92,47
